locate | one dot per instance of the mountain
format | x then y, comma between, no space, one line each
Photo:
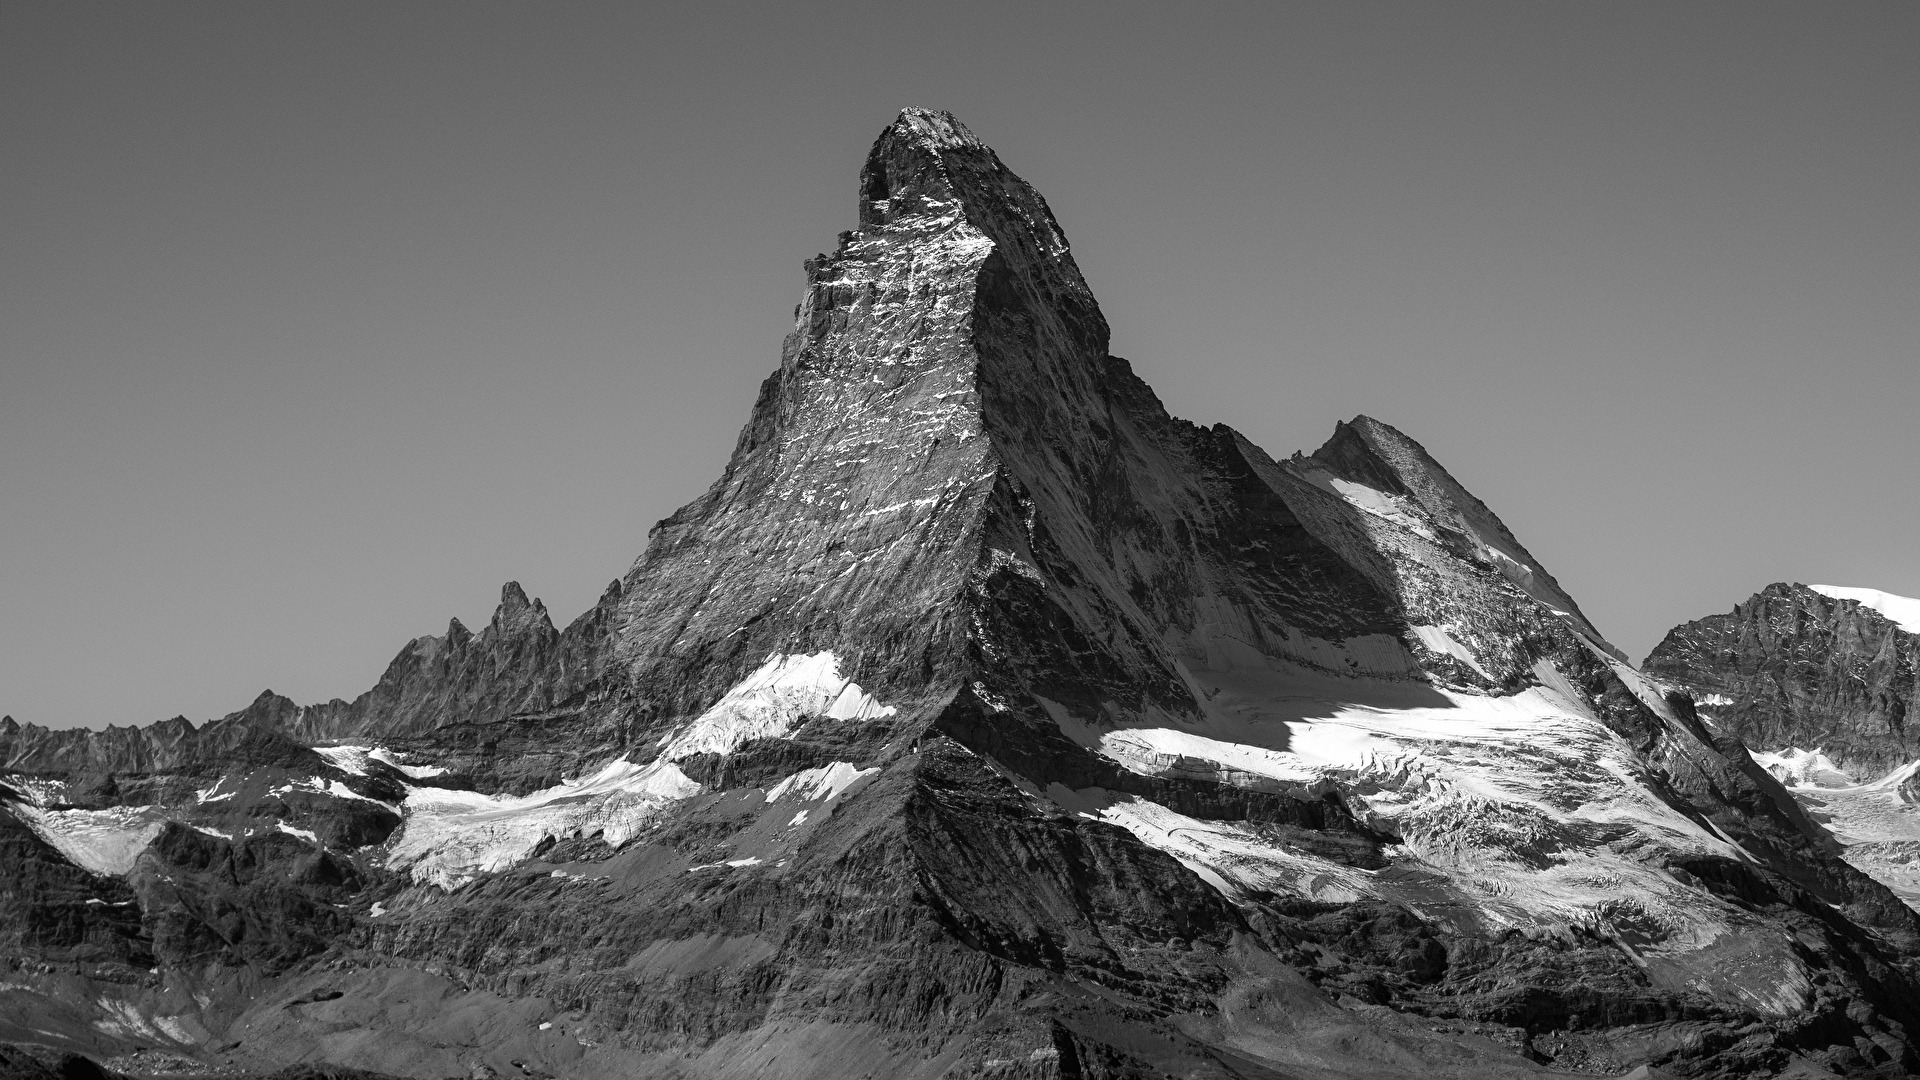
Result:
1807,666
1818,681
981,720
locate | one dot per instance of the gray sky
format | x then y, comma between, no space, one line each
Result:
318,322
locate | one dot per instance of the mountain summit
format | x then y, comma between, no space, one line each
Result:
981,720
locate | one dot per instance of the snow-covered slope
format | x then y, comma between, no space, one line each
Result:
1798,768
1902,611
452,836
1878,821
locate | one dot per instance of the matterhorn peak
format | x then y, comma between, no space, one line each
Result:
981,719
936,128
908,175
926,170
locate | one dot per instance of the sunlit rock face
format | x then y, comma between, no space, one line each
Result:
982,720
1807,666
1818,681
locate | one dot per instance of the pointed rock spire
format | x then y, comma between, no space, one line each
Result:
517,614
905,174
851,511
512,598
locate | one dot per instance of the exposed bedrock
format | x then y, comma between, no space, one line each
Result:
1793,667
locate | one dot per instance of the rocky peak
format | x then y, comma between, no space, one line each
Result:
267,710
951,325
905,175
517,614
1794,667
1378,456
513,598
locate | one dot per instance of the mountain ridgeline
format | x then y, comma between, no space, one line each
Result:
981,720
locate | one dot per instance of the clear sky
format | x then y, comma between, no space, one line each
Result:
318,322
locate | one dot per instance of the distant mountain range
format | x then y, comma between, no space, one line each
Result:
983,720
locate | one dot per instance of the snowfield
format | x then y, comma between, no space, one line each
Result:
451,837
769,702
1878,822
1803,768
823,784
1513,811
103,841
1902,611
354,759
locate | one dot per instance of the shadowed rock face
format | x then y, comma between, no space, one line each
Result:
1792,667
982,720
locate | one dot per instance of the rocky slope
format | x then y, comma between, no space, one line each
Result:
1819,682
1804,666
982,720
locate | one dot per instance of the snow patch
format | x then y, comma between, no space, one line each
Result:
1803,768
303,834
1902,611
825,783
348,759
417,772
1230,856
354,759
125,1021
103,841
39,791
751,860
312,785
341,791
768,703
1438,640
214,794
1397,509
450,837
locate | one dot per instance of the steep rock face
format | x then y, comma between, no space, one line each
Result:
852,511
984,720
1819,682
1795,667
56,909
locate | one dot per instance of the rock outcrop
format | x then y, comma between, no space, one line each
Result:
982,720
1818,682
1794,667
